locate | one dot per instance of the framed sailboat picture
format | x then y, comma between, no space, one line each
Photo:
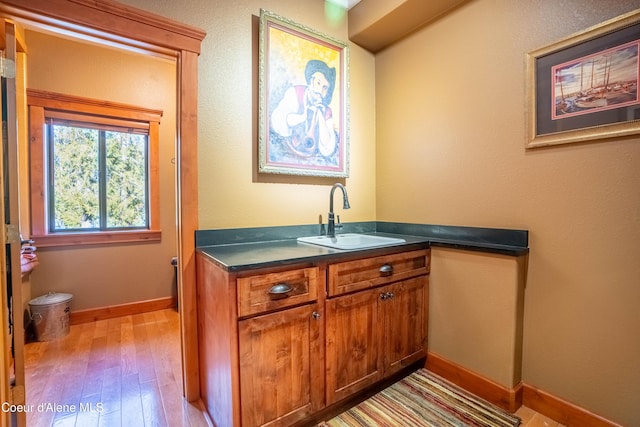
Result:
303,108
585,87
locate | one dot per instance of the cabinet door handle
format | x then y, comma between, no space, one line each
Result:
315,315
387,295
280,290
386,270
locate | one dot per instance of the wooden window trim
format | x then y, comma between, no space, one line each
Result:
47,104
154,34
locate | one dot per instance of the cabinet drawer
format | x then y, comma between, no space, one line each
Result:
267,292
350,276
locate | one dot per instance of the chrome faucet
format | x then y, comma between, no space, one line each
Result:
331,226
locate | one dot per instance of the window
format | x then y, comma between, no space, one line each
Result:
97,178
94,171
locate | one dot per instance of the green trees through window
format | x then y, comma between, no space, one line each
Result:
126,180
97,178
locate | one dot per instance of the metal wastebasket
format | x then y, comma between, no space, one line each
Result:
50,315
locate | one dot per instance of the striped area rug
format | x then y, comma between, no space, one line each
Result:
424,399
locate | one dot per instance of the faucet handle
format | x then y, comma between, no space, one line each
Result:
338,224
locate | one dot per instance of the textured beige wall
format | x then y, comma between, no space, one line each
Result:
474,312
450,150
106,275
446,146
232,194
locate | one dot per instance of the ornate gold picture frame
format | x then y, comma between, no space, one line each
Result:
585,87
303,112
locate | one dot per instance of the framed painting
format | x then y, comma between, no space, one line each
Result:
303,112
585,87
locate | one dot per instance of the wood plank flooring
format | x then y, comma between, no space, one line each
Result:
117,372
531,418
124,372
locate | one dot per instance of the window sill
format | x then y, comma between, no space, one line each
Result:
97,238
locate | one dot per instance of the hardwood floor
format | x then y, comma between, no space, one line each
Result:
124,372
531,418
117,372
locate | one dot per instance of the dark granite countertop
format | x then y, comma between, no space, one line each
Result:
242,249
247,256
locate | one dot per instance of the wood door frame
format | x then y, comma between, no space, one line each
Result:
135,29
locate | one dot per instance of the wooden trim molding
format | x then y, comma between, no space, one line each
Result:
108,20
125,26
97,107
509,399
188,218
98,238
562,411
44,105
110,312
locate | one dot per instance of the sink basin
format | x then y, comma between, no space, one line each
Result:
351,241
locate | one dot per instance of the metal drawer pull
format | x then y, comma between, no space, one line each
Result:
280,290
315,315
386,270
387,295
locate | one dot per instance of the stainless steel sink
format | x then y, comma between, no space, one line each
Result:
351,241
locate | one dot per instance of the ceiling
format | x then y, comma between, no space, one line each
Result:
376,24
347,4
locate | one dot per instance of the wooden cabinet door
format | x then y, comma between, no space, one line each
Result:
405,306
281,373
353,344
